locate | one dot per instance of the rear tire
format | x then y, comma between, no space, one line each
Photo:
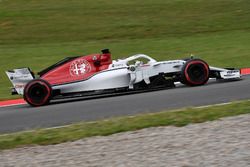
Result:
37,92
195,72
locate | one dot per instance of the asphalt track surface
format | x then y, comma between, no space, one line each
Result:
24,117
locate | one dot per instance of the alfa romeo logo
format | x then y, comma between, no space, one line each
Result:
79,67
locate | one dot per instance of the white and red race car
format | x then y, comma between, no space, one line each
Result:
97,74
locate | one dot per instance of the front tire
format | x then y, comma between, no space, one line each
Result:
195,72
37,92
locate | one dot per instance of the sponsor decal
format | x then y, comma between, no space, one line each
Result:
79,67
172,62
233,71
19,86
20,77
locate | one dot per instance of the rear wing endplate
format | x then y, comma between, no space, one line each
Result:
19,78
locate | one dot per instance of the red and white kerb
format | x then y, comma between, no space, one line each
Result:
245,71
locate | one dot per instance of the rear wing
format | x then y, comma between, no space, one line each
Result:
19,78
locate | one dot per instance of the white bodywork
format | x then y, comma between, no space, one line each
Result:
19,78
121,73
227,74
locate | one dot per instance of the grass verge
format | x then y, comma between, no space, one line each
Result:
82,130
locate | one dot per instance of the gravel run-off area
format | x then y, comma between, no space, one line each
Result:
225,142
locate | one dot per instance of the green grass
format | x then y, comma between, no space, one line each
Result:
39,33
82,130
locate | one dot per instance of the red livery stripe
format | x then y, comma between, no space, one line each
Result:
245,71
12,102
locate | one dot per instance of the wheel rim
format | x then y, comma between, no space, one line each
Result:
197,73
37,93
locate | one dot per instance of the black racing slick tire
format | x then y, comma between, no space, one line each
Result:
37,92
195,72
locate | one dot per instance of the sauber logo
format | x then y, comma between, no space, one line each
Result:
79,67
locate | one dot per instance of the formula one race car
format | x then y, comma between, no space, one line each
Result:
97,74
